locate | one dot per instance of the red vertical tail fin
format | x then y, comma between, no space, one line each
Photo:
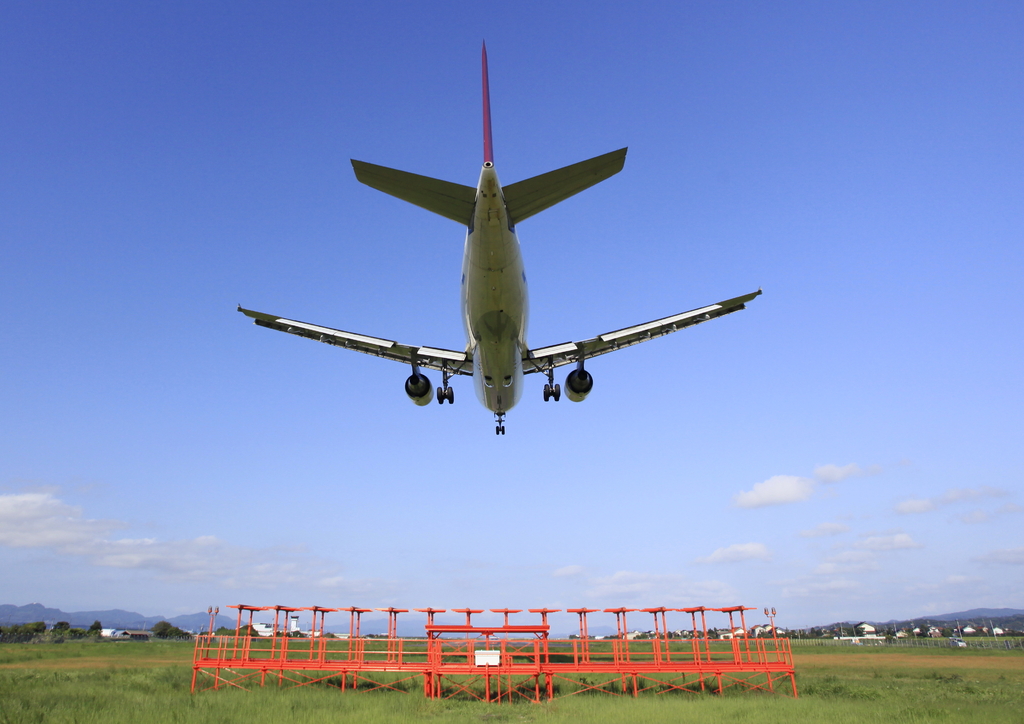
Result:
488,147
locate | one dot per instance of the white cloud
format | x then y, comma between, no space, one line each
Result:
915,505
738,552
568,571
822,589
780,489
985,491
957,580
41,520
834,473
981,516
974,516
893,542
824,529
953,495
1010,556
776,490
847,562
662,589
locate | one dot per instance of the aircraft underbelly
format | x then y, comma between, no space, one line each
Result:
495,309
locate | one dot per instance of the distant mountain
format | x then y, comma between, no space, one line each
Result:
200,622
979,613
112,618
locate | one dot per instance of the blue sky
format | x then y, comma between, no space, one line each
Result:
847,448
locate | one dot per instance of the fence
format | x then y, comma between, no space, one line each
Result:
1010,643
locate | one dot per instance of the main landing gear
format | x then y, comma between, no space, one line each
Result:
552,390
499,417
445,392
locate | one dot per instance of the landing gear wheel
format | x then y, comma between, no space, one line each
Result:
449,394
440,396
552,390
497,429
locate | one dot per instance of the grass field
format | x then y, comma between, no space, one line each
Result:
110,682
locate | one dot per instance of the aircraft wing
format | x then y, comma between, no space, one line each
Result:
544,358
456,363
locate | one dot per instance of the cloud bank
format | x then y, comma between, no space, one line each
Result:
41,520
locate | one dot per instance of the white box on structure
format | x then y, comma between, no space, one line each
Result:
488,657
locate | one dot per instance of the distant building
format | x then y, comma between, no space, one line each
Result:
736,633
132,634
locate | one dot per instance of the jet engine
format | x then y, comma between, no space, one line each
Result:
419,389
578,385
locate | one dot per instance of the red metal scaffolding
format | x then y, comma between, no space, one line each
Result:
505,662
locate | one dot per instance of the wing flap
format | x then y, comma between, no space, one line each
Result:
459,363
525,198
450,200
544,358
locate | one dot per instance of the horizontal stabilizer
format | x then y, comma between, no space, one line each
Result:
523,199
452,201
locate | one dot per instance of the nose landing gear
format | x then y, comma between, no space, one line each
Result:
499,417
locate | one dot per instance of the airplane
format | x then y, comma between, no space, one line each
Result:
494,299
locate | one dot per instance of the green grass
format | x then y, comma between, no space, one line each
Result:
149,682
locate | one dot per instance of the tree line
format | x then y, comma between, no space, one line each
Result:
63,629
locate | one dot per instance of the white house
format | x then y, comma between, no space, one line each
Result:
736,633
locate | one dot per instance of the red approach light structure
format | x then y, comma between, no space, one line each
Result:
500,663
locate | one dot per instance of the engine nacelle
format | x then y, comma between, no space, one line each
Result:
578,385
419,389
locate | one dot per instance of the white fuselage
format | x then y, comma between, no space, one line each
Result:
494,299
